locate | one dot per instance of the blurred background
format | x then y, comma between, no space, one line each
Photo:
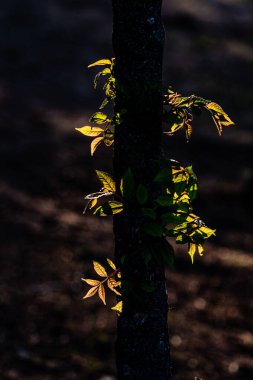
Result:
47,245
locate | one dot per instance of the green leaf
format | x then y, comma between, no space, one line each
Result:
101,62
183,207
153,229
164,176
108,137
168,254
149,212
193,191
99,118
128,184
164,200
171,218
141,194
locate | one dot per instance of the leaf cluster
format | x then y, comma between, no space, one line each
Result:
112,280
182,110
170,215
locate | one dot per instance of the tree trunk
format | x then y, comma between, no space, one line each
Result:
142,347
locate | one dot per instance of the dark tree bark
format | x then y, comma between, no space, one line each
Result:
142,347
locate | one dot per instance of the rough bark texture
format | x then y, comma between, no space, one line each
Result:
142,347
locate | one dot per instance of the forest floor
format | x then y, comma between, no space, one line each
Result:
47,245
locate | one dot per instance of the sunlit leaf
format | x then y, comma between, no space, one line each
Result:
95,143
106,180
99,118
91,292
91,282
200,249
90,131
105,102
118,307
207,231
99,269
227,121
188,128
111,263
101,62
218,125
108,137
93,203
179,175
192,250
121,186
215,107
109,87
101,293
112,284
109,208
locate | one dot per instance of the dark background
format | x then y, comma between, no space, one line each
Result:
47,245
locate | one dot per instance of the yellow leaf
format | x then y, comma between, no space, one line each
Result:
118,307
112,265
218,124
99,269
200,249
192,250
215,107
116,207
121,186
91,292
101,62
90,282
93,203
207,231
188,131
101,293
90,131
95,143
106,180
106,71
227,121
112,284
